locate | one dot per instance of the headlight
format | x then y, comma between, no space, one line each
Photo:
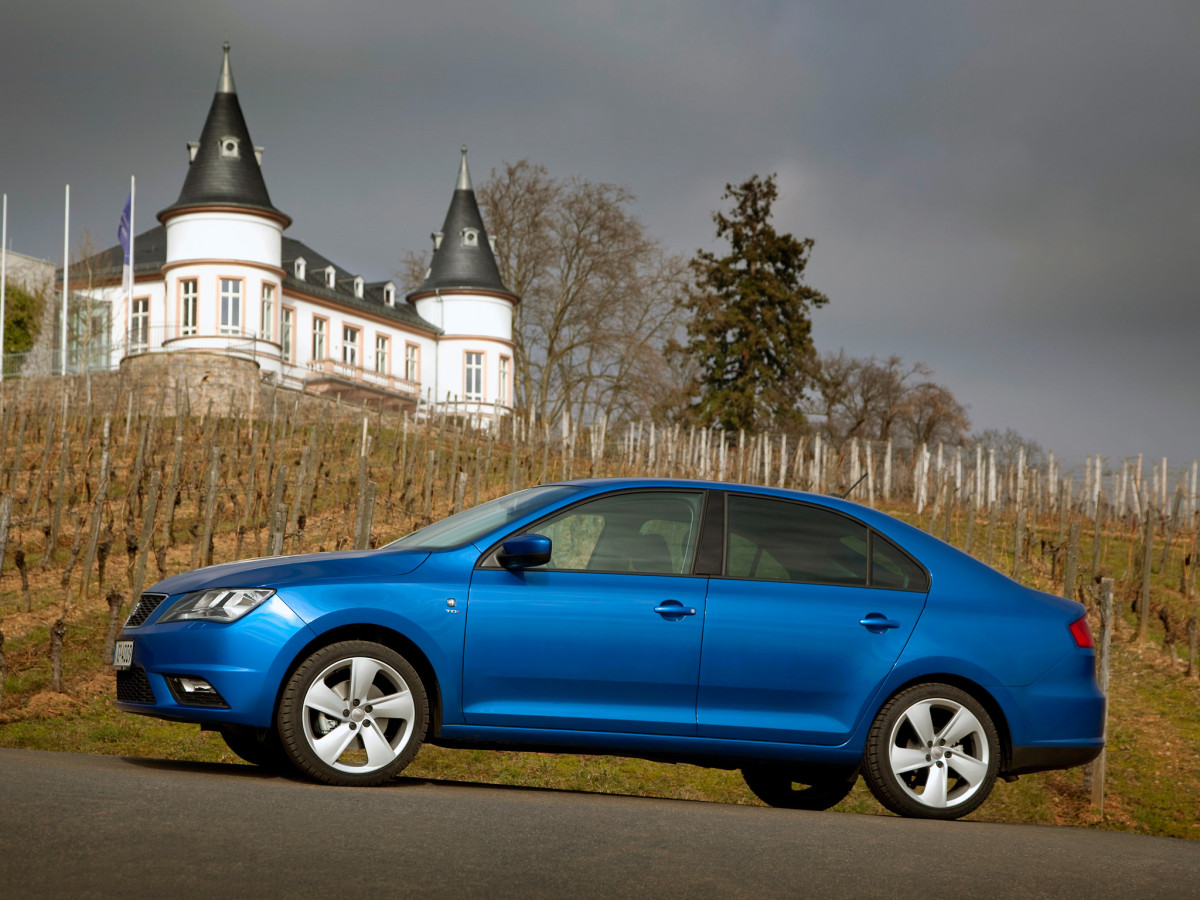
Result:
221,605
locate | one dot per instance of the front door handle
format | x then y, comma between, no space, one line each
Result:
877,623
674,610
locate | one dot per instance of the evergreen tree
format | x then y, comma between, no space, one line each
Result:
22,316
750,336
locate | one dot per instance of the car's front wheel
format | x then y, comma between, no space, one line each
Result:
353,713
800,787
932,753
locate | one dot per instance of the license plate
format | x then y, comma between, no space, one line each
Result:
123,655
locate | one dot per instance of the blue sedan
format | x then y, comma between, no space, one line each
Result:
803,639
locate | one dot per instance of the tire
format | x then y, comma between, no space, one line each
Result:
800,787
932,753
353,713
258,746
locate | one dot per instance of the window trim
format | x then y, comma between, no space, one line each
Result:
488,560
871,531
481,397
287,347
324,320
383,342
182,298
416,360
235,329
145,317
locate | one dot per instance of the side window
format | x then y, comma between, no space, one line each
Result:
778,540
651,532
892,568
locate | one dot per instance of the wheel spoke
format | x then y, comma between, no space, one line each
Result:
904,759
394,706
972,770
959,727
322,697
334,744
362,673
919,717
379,751
935,787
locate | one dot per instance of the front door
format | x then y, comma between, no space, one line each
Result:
604,637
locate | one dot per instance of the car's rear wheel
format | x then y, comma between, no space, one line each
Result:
800,787
258,746
932,753
353,713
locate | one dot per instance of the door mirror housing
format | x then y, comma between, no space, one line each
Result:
524,551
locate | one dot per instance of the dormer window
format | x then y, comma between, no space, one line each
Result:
389,294
300,265
358,286
492,242
330,276
229,147
258,152
193,149
470,237
437,241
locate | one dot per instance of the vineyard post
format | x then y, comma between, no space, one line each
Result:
6,506
1071,570
1103,667
1147,563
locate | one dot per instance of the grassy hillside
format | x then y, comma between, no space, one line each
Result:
311,468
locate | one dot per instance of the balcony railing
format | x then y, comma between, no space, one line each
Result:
332,368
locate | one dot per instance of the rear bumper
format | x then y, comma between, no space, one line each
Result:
1041,759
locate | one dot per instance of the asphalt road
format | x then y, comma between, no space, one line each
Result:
97,826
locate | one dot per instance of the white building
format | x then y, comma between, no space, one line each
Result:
219,275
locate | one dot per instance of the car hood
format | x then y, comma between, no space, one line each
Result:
278,571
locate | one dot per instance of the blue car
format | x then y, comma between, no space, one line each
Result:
802,639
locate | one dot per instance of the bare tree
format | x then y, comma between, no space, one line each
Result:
932,414
863,397
599,296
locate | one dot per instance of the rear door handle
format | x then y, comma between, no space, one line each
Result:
877,623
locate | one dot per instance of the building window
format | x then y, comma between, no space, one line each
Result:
188,303
473,382
412,360
318,342
267,331
231,306
285,332
502,388
139,325
381,354
229,148
349,345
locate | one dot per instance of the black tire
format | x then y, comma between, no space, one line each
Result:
932,753
800,787
258,746
334,736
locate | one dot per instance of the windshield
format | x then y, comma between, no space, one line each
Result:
472,524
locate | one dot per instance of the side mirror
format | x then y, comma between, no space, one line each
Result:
524,551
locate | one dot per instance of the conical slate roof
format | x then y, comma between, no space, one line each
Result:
464,258
224,169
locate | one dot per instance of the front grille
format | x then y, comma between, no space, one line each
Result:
133,686
146,604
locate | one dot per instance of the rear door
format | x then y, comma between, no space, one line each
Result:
810,616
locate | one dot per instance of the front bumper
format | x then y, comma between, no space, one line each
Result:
244,661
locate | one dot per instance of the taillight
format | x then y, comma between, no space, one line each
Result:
1082,632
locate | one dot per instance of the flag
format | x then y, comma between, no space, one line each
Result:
123,237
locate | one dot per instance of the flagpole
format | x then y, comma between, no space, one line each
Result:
3,278
66,270
132,205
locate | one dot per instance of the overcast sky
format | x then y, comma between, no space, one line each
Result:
1007,191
